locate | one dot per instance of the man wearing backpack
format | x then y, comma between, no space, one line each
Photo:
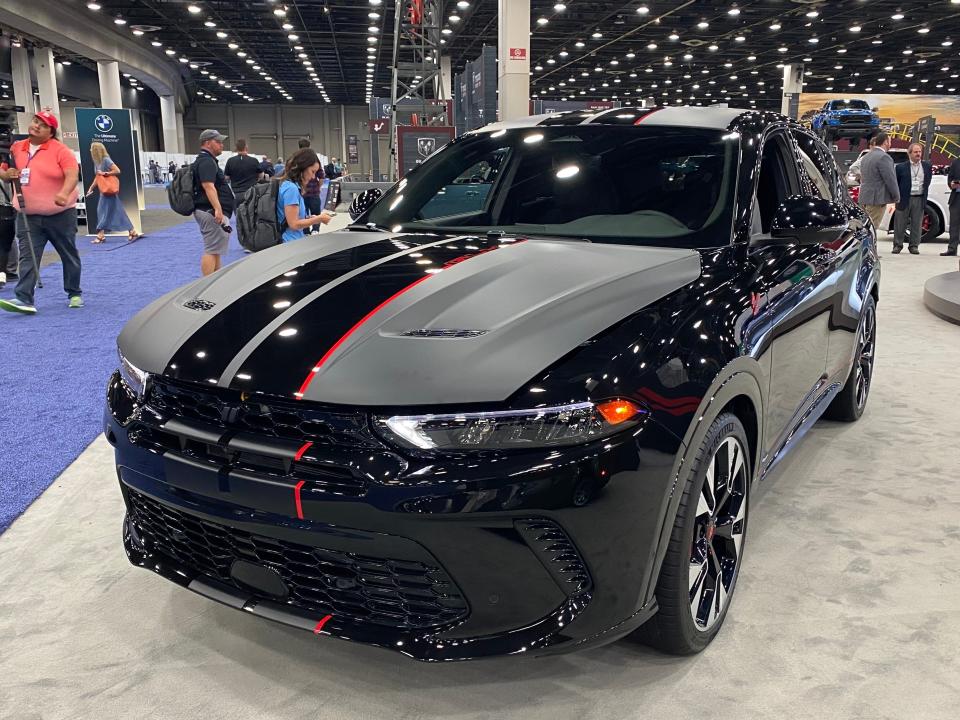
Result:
214,201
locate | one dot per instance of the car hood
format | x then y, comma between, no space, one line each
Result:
381,319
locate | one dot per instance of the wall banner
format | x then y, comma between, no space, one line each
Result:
114,130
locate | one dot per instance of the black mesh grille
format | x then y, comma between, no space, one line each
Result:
225,408
558,554
395,593
198,304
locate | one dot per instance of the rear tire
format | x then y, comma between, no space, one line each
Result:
700,570
850,403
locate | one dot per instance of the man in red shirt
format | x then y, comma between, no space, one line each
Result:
48,172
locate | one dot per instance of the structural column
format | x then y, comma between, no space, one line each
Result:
792,87
168,122
22,88
109,73
513,69
181,138
445,79
47,79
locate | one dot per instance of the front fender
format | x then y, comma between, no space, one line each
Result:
741,378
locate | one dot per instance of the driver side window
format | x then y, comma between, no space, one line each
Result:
468,192
777,181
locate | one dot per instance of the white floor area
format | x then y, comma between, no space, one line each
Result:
846,608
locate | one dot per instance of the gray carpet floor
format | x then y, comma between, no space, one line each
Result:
846,607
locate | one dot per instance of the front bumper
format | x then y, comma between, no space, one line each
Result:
529,559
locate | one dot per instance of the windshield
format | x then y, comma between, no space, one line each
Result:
849,105
656,186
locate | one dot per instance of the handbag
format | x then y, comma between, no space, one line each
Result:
108,185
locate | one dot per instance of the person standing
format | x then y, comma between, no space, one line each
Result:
111,216
279,168
48,173
312,190
291,208
953,181
213,201
878,187
242,171
266,168
913,180
333,169
171,170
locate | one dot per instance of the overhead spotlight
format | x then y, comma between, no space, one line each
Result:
93,6
210,24
119,21
194,9
775,26
734,11
222,35
643,10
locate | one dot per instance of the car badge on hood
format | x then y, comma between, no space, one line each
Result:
443,333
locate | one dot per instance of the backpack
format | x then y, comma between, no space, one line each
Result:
256,217
181,191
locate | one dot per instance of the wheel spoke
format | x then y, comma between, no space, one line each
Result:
707,502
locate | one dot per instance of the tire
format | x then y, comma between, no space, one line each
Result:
702,545
850,402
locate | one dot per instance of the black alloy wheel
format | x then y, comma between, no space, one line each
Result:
851,401
700,570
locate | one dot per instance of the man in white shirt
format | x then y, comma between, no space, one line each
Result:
913,177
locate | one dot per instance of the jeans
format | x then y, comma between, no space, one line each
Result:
314,207
59,230
911,217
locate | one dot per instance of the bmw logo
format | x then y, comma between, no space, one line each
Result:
104,123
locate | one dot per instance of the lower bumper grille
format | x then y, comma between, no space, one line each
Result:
399,594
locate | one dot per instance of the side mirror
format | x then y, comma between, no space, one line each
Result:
364,201
808,221
876,109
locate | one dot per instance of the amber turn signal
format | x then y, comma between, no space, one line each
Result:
617,411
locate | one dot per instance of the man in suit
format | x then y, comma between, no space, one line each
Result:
953,180
913,180
878,185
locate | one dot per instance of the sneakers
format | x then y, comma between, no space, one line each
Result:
75,302
17,306
3,279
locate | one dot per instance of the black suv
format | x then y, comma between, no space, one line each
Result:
521,405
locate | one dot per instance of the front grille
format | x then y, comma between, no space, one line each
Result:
276,418
558,554
400,594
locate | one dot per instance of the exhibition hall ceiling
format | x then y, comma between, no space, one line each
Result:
339,51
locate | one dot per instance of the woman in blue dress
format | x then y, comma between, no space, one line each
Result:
111,217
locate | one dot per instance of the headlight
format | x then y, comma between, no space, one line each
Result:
511,429
134,377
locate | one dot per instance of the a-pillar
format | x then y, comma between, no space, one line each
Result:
109,73
22,87
792,87
168,119
47,79
513,70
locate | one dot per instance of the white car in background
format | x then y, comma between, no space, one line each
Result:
937,215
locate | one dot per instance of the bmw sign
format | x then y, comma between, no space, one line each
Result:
104,123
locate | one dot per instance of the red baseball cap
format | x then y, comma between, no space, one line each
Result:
48,118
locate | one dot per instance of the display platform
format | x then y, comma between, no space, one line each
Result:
941,295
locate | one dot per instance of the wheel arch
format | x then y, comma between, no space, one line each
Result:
740,389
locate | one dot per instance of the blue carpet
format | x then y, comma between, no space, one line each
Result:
56,364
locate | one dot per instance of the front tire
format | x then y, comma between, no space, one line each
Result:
702,563
850,402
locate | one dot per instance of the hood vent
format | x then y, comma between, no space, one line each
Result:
198,304
443,333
